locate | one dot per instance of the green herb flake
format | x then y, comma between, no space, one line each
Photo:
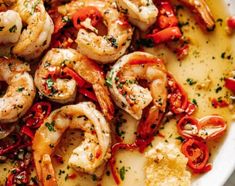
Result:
108,81
20,89
191,81
122,173
218,89
180,139
13,29
50,126
194,101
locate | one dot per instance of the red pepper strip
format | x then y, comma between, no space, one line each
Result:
197,153
148,126
219,103
231,22
166,16
143,143
168,34
57,20
86,12
141,60
10,180
27,131
38,112
12,146
193,127
211,127
178,98
112,160
79,80
230,84
88,94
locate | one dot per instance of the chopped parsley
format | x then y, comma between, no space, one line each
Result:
50,126
20,89
191,81
122,173
194,102
108,81
13,29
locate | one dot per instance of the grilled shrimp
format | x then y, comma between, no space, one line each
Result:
20,93
107,48
202,11
63,90
37,35
128,94
10,27
141,13
92,152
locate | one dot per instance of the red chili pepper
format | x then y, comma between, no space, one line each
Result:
88,94
86,12
178,98
230,84
166,16
27,131
206,128
10,180
57,20
168,34
143,143
142,60
219,103
79,80
36,115
197,153
231,22
212,127
12,146
148,125
112,160
192,125
72,176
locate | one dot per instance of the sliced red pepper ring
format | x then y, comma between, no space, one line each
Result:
188,127
230,84
38,112
197,153
206,128
86,12
168,34
112,161
212,127
166,16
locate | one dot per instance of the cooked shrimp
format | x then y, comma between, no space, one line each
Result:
202,11
125,90
107,48
63,90
87,157
37,35
10,27
5,4
20,92
141,13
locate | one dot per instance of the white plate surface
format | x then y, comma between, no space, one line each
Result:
224,162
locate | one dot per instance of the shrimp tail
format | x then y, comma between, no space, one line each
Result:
202,11
48,172
105,102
